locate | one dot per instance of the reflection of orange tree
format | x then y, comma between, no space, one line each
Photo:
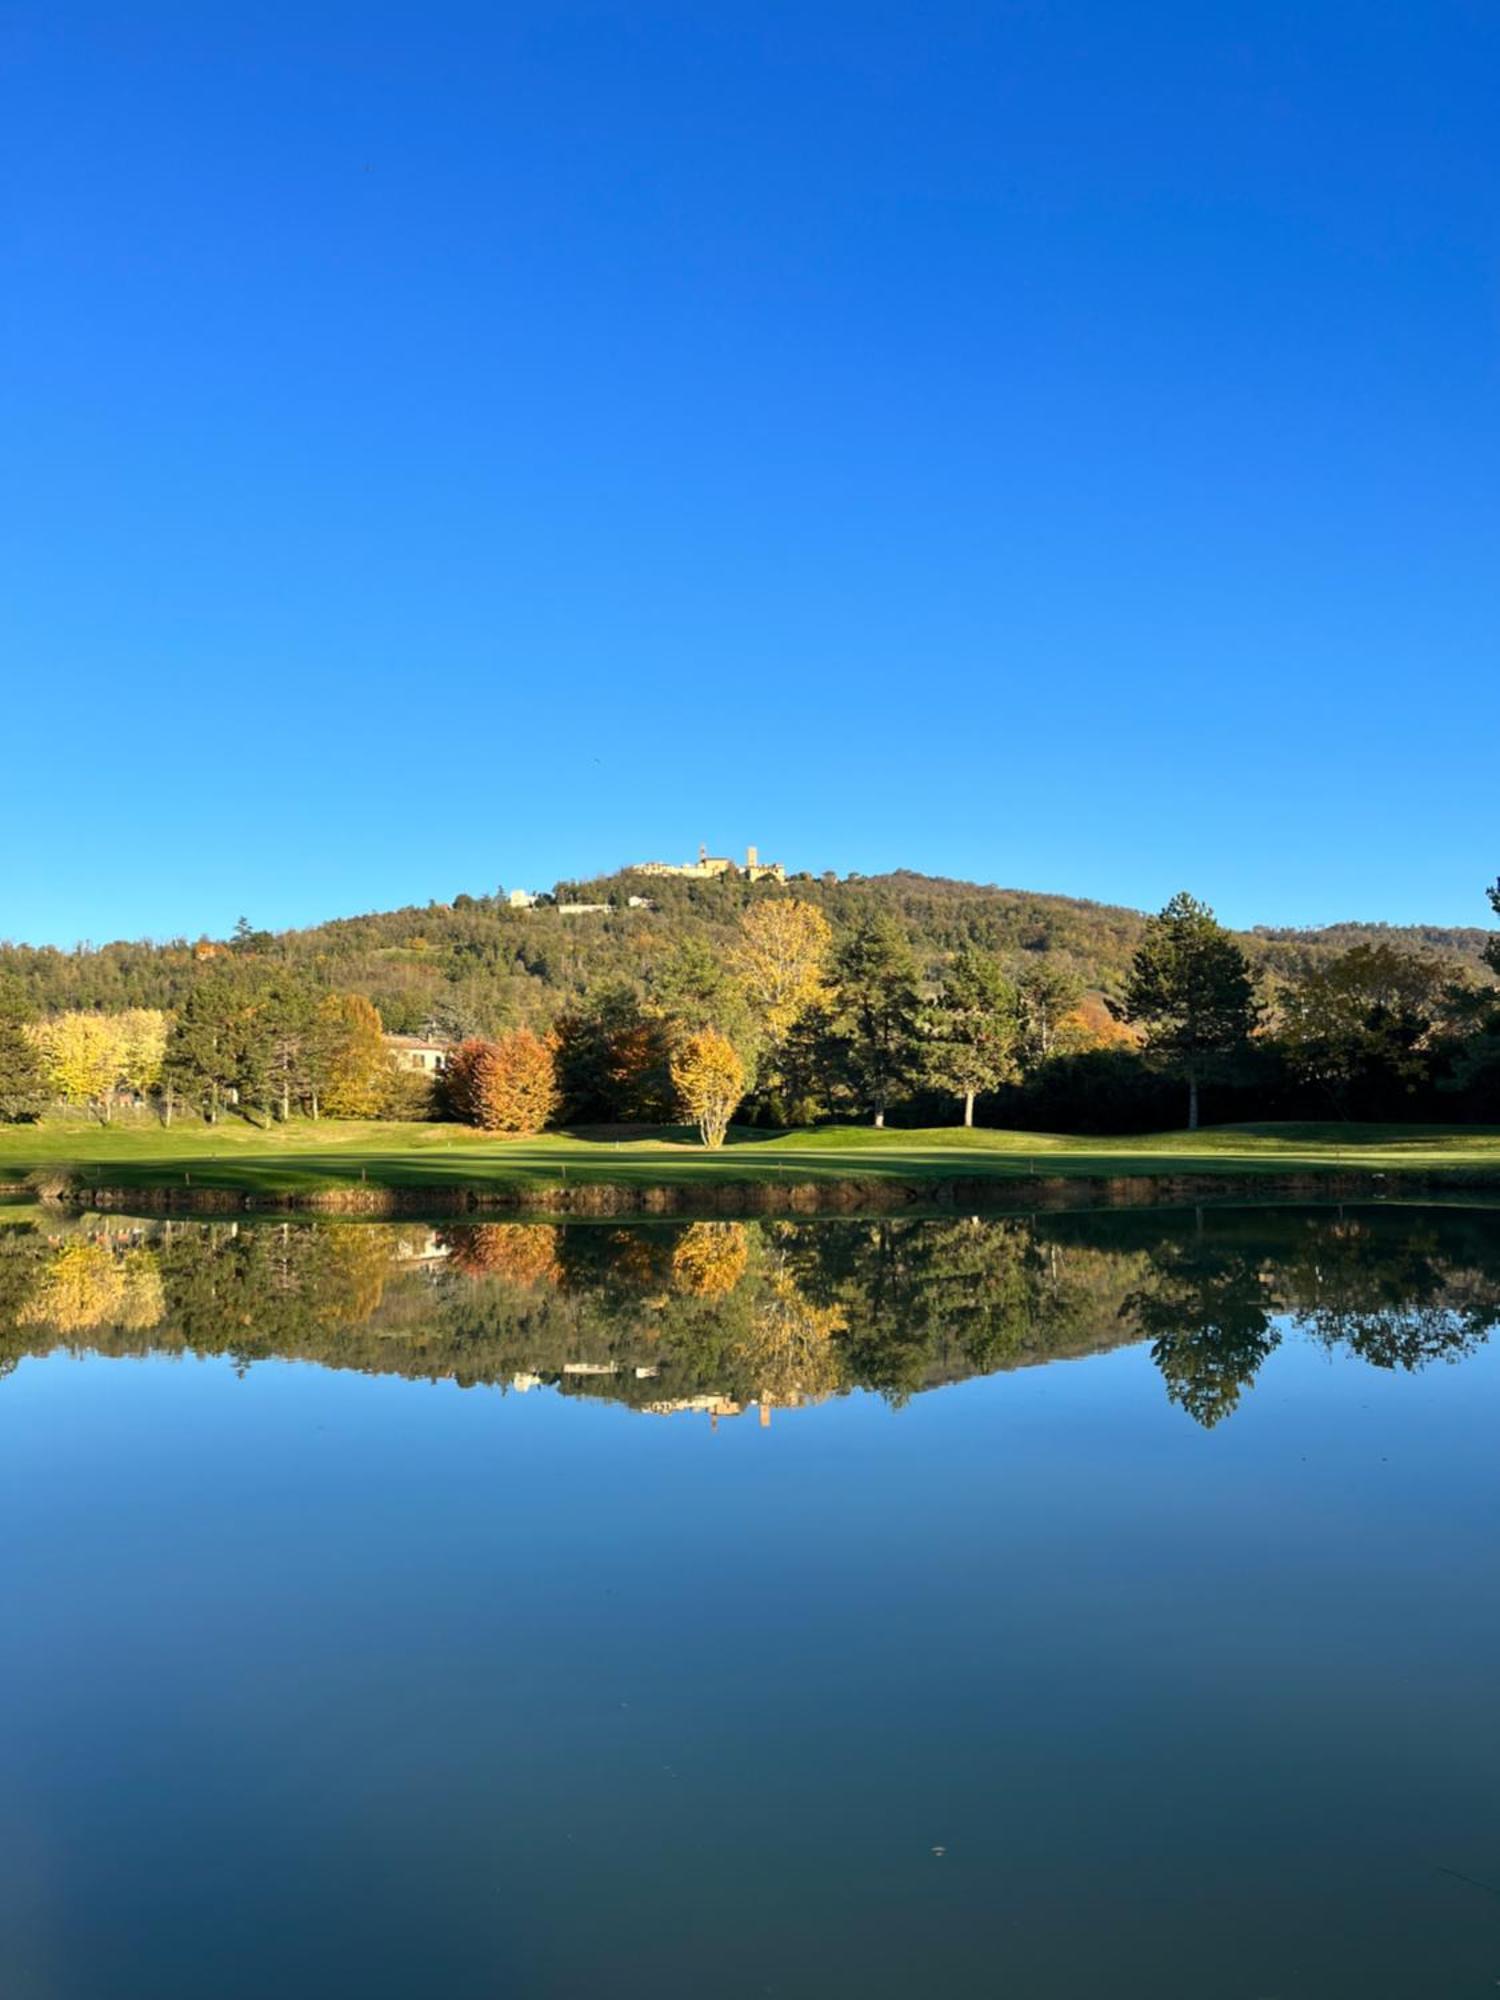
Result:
525,1253
88,1285
790,1352
709,1259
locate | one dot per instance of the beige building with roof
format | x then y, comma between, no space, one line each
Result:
708,867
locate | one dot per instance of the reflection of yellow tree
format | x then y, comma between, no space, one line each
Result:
354,1265
791,1354
86,1285
525,1253
709,1259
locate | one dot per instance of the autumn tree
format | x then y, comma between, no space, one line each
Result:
143,1047
459,1087
1191,988
614,1057
878,1011
709,1079
509,1085
973,1027
357,1061
781,957
80,1055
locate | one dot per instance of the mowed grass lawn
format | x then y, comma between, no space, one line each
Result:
302,1156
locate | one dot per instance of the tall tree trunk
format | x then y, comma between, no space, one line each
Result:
968,1107
1193,1103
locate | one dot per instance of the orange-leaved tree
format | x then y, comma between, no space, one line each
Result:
709,1079
509,1085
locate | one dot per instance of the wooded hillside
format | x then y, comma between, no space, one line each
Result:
476,966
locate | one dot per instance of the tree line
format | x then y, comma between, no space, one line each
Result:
789,1021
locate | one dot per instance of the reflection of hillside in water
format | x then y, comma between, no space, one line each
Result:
718,1316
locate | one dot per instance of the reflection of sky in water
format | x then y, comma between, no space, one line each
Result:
324,1680
715,1317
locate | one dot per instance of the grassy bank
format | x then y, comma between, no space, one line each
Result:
303,1160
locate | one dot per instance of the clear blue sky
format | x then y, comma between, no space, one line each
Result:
452,445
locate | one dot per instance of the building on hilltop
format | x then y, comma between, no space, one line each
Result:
708,867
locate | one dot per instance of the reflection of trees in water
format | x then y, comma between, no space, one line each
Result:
666,1314
709,1258
1207,1311
523,1252
1398,1305
85,1286
792,1353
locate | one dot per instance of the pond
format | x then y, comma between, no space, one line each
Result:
1066,1606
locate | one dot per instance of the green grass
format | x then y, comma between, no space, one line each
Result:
302,1157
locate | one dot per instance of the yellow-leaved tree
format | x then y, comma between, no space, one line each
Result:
355,1063
143,1048
781,958
709,1079
82,1058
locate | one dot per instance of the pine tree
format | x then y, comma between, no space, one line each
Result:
1191,987
23,1093
878,1014
974,1027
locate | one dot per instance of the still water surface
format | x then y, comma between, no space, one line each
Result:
1091,1606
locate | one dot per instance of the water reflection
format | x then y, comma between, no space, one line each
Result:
718,1317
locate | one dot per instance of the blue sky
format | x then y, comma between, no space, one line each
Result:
460,445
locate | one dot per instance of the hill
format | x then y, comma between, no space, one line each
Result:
478,965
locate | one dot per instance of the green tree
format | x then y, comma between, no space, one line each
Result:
878,1014
1191,988
22,1091
289,1033
974,1026
209,1059
1045,994
1363,1021
694,991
